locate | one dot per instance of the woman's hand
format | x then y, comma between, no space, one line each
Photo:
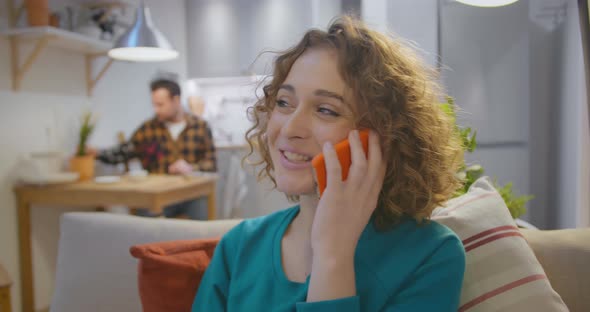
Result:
345,208
342,214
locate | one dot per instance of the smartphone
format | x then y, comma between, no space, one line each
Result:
343,152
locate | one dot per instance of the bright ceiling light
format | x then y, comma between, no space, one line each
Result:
143,42
487,3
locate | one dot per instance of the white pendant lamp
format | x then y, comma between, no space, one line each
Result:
143,42
487,3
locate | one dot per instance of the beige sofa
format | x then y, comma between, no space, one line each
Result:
565,256
95,272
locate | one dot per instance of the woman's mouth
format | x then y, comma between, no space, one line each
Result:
295,161
294,157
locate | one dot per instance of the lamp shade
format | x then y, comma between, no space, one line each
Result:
487,3
143,42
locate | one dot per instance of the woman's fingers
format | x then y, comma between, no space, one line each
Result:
377,183
358,166
366,174
333,168
375,164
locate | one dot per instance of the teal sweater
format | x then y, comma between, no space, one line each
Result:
408,268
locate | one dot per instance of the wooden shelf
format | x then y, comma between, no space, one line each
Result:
232,147
44,37
105,3
61,39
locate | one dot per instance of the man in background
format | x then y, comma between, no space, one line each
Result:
172,142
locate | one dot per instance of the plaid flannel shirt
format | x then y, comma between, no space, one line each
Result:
157,150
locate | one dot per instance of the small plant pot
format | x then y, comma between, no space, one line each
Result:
84,165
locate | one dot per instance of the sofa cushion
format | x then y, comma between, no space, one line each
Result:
502,273
565,255
95,272
170,273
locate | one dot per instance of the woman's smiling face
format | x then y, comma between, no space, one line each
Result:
312,107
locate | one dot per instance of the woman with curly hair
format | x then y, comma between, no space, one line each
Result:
367,243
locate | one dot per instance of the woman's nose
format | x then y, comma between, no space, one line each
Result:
298,124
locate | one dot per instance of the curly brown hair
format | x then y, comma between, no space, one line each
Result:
397,96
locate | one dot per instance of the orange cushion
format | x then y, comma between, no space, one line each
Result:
170,272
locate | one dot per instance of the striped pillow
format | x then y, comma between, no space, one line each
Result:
502,273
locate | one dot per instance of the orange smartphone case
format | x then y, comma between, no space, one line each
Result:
343,152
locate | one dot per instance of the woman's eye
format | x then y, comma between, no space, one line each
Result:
282,103
328,112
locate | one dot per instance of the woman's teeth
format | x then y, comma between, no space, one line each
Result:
296,157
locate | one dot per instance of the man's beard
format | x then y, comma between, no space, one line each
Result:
165,119
170,118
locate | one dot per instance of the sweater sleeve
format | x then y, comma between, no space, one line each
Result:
348,304
436,285
209,160
123,152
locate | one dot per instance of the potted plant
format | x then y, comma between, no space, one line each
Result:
469,174
83,162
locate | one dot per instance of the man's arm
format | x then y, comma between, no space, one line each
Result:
122,152
118,154
209,160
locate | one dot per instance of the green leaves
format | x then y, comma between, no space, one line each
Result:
468,139
516,204
469,174
449,108
86,129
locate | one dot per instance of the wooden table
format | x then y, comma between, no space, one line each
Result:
5,283
154,193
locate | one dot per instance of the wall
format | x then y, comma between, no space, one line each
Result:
323,11
53,97
544,120
229,36
399,18
374,14
402,17
487,54
558,124
573,142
